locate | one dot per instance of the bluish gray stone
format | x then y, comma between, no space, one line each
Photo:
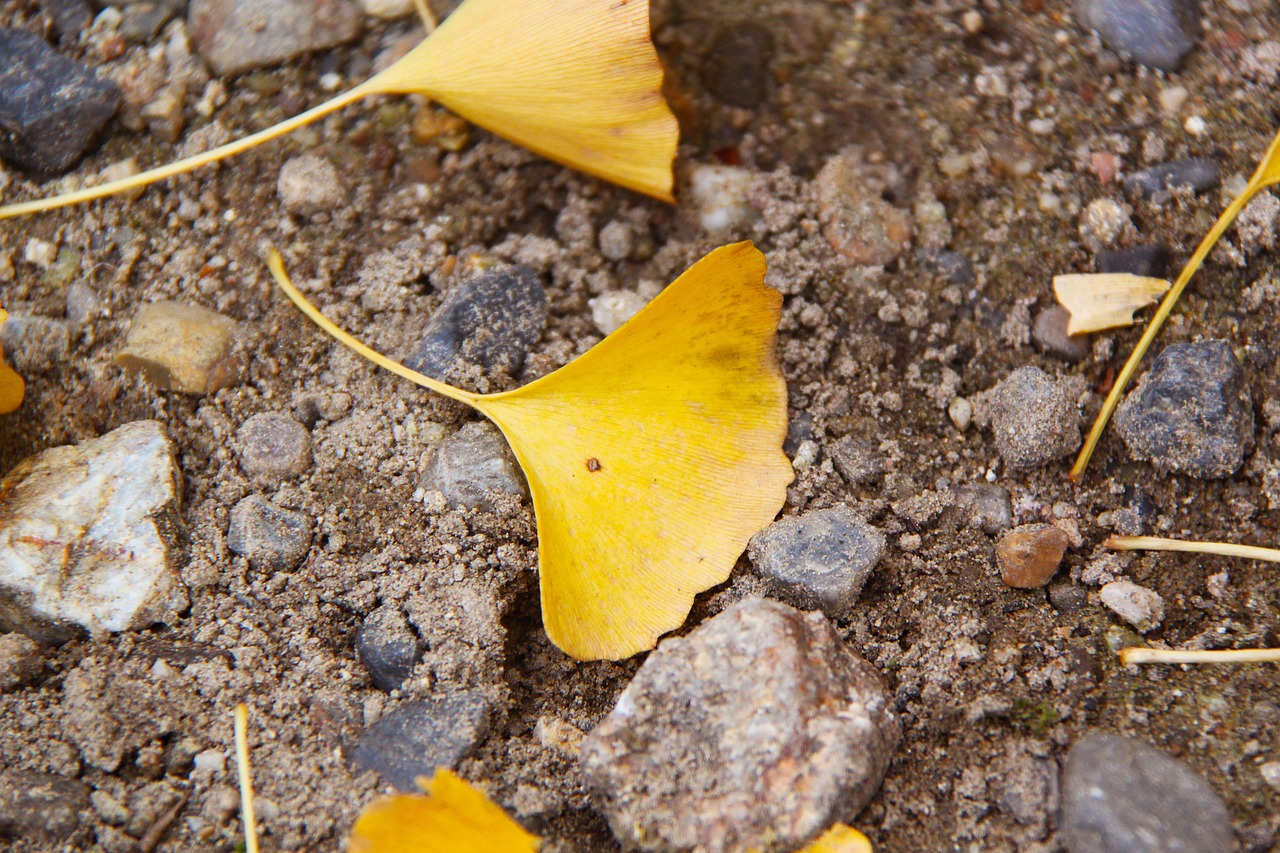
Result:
415,739
1120,795
1158,182
271,538
1192,412
818,560
471,464
388,647
51,108
1156,33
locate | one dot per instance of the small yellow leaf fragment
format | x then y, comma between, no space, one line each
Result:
840,839
451,817
1100,301
12,388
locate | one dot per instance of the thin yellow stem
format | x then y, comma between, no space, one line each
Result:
276,265
246,779
1160,543
429,22
1139,655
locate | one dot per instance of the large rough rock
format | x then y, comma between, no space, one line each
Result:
87,534
235,36
758,729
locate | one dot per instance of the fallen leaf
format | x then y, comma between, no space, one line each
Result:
12,388
840,839
577,81
652,458
1098,301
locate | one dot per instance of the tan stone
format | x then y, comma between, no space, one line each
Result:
183,348
1029,555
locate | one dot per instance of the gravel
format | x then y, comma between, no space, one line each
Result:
235,36
1141,607
388,647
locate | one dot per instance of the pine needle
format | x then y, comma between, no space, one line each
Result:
1222,549
246,778
1138,655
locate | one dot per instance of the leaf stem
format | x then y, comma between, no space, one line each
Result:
1160,543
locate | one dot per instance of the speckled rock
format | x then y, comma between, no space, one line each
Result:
51,108
1158,182
87,534
1049,331
1029,554
985,506
183,348
415,739
759,728
1191,413
1141,607
271,538
860,225
1156,33
41,806
471,464
818,560
1034,418
20,661
234,36
310,183
488,322
273,446
388,647
1122,796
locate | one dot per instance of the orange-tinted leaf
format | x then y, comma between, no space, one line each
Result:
12,388
840,839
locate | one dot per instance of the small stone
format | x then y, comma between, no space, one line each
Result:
387,10
70,17
20,661
1150,260
612,308
1270,772
109,808
86,534
818,560
1123,796
1192,412
182,348
210,761
273,447
617,240
1158,182
858,223
35,344
1029,555
40,806
388,647
310,183
235,36
1103,223
774,729
1050,334
1068,598
270,538
985,506
472,463
415,739
142,19
1155,33
736,68
720,197
1034,418
51,108
858,460
960,411
489,322
953,266
1141,607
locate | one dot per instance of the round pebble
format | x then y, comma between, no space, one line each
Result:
1034,418
273,446
1050,333
616,240
1156,33
271,538
310,183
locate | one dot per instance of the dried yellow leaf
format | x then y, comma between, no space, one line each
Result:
840,839
451,817
1098,301
652,459
12,388
577,81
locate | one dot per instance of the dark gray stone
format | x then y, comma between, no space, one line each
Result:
953,266
235,36
1120,795
1067,597
471,464
271,538
51,108
985,506
142,19
69,17
858,460
1156,33
415,739
736,69
388,647
34,344
40,806
819,560
1151,260
1050,334
1191,413
488,322
1158,182
273,446
20,661
1034,418
757,730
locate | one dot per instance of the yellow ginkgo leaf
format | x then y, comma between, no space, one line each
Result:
12,388
1098,301
652,459
451,817
577,81
840,839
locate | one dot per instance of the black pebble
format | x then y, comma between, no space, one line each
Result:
388,647
415,739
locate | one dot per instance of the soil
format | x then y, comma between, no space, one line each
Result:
987,678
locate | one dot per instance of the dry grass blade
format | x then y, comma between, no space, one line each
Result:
1267,173
1222,549
1196,656
246,778
1098,301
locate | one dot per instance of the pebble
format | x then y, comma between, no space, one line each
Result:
310,183
20,661
617,240
235,36
1104,222
953,266
1141,607
105,515
273,447
1158,182
861,226
387,10
70,17
858,460
183,348
270,538
985,506
490,322
818,560
1155,33
1049,331
757,729
388,647
1029,554
1123,796
1068,598
736,67
1034,418
1150,260
960,411
471,464
34,344
142,20
720,197
1192,412
415,739
612,308
41,806
51,108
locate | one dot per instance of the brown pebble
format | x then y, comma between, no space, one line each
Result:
1030,554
